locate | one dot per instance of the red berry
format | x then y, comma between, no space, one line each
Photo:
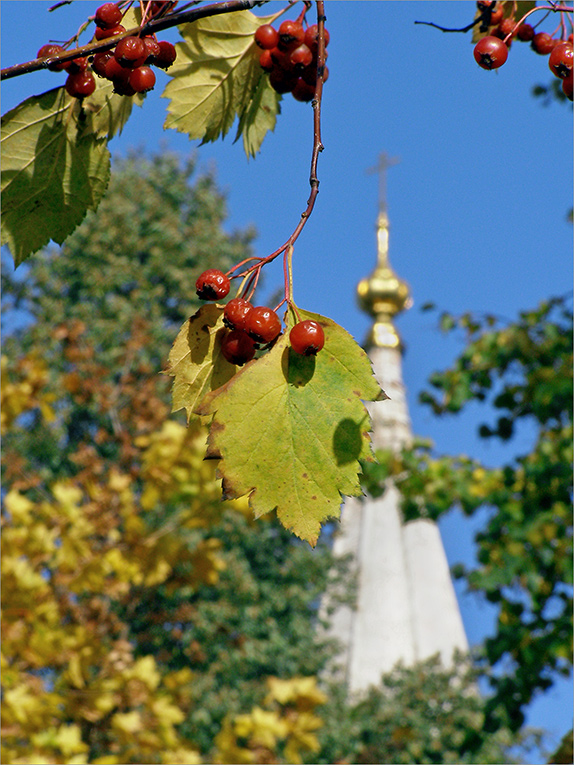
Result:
281,81
303,91
266,37
77,65
114,71
525,32
300,57
108,15
81,84
266,60
567,86
497,14
212,285
166,56
100,62
53,50
290,32
543,43
103,34
152,48
307,337
236,312
263,324
312,37
560,61
490,52
237,347
130,52
122,84
505,28
142,79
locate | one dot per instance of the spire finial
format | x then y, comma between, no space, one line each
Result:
383,294
383,164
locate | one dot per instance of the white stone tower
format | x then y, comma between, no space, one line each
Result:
406,609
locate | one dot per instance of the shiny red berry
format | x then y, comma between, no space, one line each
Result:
152,48
130,52
490,52
266,37
80,85
290,32
142,79
100,62
311,38
560,61
263,324
307,338
236,312
166,56
237,347
77,65
104,34
543,43
212,285
266,61
300,57
108,15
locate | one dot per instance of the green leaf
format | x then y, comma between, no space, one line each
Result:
54,168
259,117
195,360
217,77
109,111
290,430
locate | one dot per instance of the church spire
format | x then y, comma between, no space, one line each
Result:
382,294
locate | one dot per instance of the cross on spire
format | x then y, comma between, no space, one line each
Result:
384,162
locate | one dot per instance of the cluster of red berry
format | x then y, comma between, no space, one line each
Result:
491,52
289,55
251,327
128,65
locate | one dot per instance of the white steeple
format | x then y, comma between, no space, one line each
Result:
406,606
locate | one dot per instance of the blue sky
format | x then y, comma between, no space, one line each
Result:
477,205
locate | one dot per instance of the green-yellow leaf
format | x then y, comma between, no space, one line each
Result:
290,430
217,77
54,168
195,360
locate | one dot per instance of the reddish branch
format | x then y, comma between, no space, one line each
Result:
153,26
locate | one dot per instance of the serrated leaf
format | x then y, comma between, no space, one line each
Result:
259,117
109,111
195,360
54,168
290,430
217,77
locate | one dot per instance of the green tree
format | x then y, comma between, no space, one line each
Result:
177,578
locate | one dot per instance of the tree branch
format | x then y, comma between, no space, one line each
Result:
153,26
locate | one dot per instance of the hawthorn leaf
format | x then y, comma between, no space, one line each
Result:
217,77
195,360
289,430
54,169
259,117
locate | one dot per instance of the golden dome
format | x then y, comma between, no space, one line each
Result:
383,295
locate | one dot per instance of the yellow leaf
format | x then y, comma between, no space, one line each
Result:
127,722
